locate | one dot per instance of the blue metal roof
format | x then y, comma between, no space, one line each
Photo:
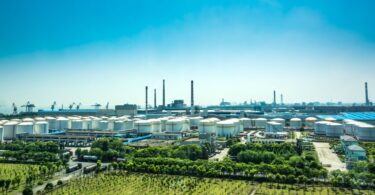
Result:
361,116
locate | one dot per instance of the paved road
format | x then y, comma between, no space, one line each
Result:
328,158
221,155
298,134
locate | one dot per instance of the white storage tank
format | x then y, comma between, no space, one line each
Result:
279,120
310,121
143,126
129,124
1,134
364,131
207,126
334,130
25,127
103,125
295,123
95,122
77,124
63,123
28,120
175,125
246,123
119,125
349,126
225,128
273,126
194,121
260,123
41,127
10,129
330,119
156,125
320,127
52,122
39,119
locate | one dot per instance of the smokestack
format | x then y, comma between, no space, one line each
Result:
366,94
154,98
274,97
192,93
163,93
146,99
281,99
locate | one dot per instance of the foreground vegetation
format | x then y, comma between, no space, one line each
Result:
121,182
136,183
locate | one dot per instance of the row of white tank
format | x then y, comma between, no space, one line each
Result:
361,130
328,128
294,123
9,129
39,125
168,124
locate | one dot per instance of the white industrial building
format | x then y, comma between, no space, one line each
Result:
10,129
25,127
177,125
319,127
194,121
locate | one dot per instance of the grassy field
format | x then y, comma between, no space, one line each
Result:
122,183
13,171
140,183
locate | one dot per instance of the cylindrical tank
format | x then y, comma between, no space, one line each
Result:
1,134
119,125
27,120
143,126
246,123
330,119
364,131
63,123
295,123
273,126
194,121
279,120
25,127
320,127
260,123
225,128
129,124
77,124
39,119
52,122
103,125
207,126
41,127
334,130
10,129
310,121
175,125
156,125
95,122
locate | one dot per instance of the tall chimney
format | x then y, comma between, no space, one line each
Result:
281,99
163,93
366,94
192,93
274,97
154,98
146,99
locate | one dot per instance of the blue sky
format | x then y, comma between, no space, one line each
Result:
95,51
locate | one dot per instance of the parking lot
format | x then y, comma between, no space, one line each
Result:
328,158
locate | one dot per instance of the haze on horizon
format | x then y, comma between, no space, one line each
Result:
94,51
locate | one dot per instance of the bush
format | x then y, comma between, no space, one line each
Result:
27,191
49,186
59,183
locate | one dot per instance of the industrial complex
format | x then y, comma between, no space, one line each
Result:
179,124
